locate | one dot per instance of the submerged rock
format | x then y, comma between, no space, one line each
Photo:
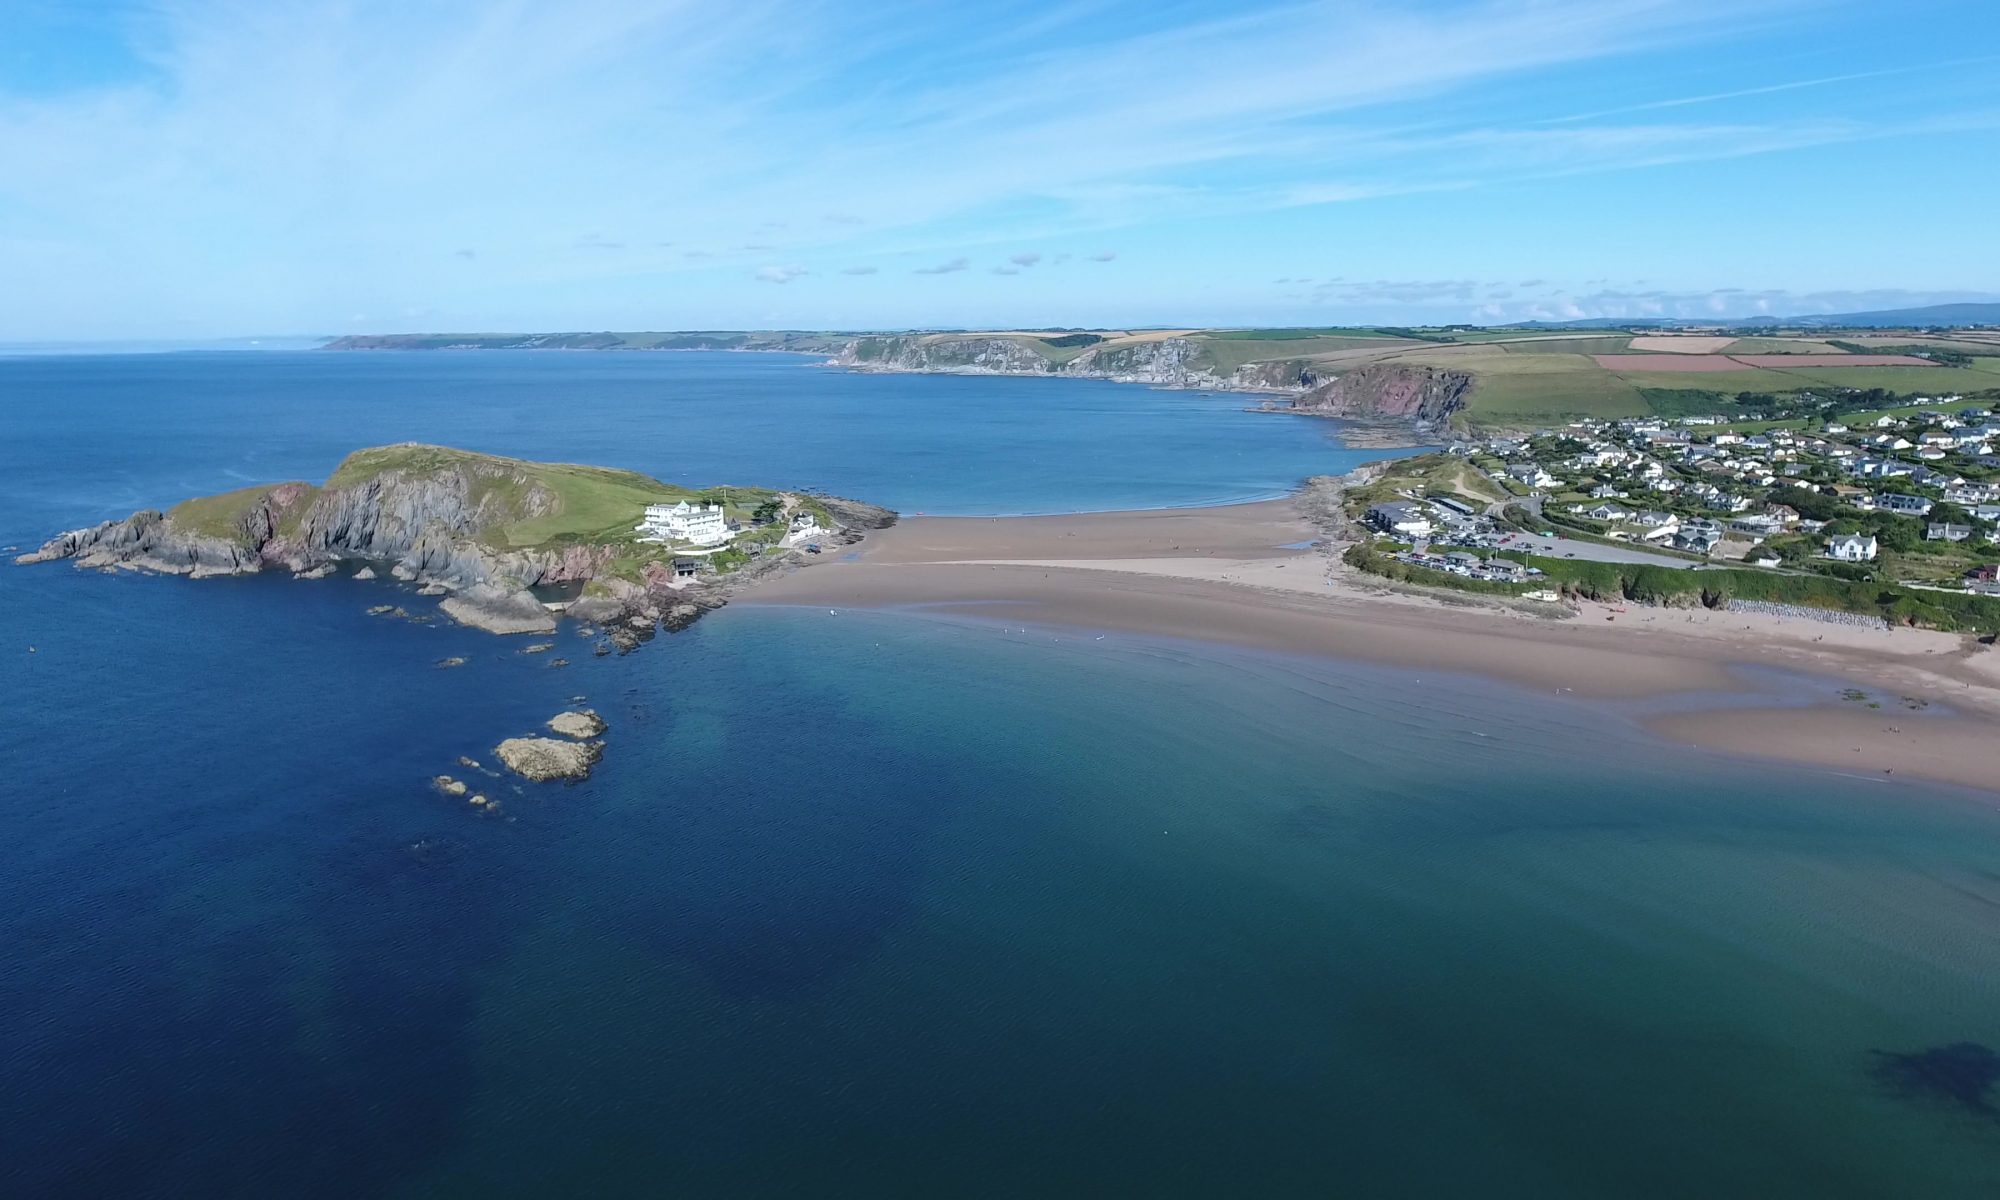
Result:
453,661
581,723
538,648
542,759
449,786
1962,1074
319,572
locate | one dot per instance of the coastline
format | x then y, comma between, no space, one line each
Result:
1251,575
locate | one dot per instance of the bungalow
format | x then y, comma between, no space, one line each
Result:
1882,468
1909,506
1925,477
1698,541
1853,547
1758,524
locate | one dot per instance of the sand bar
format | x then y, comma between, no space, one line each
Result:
1245,575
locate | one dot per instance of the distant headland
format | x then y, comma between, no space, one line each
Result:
1464,379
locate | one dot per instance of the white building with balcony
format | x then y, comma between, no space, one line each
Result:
700,524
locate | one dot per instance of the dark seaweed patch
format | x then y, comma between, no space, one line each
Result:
1961,1074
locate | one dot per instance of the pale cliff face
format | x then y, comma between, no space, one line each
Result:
1164,362
1419,395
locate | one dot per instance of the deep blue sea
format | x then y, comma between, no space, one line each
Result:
890,905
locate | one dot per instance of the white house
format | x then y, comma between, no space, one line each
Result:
701,524
1656,526
1531,474
1853,547
805,527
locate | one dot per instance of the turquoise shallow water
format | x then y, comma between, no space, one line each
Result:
886,905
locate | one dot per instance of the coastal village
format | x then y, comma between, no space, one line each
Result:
1908,496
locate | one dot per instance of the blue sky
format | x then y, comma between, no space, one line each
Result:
207,168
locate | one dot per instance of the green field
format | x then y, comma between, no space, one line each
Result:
1771,345
1916,380
1296,334
1576,345
1226,355
1513,390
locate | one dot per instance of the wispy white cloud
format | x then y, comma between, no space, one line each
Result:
298,163
857,270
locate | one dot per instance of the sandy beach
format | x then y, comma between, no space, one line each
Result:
1249,575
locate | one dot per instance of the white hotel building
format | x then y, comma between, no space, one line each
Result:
701,524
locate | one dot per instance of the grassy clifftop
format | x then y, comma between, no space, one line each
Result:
503,504
525,504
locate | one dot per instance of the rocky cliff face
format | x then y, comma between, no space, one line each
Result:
145,541
1423,396
1167,362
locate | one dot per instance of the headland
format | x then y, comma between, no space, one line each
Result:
511,545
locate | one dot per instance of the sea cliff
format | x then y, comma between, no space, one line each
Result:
1419,397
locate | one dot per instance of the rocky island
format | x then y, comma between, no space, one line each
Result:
510,544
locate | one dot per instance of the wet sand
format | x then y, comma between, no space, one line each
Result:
1236,575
